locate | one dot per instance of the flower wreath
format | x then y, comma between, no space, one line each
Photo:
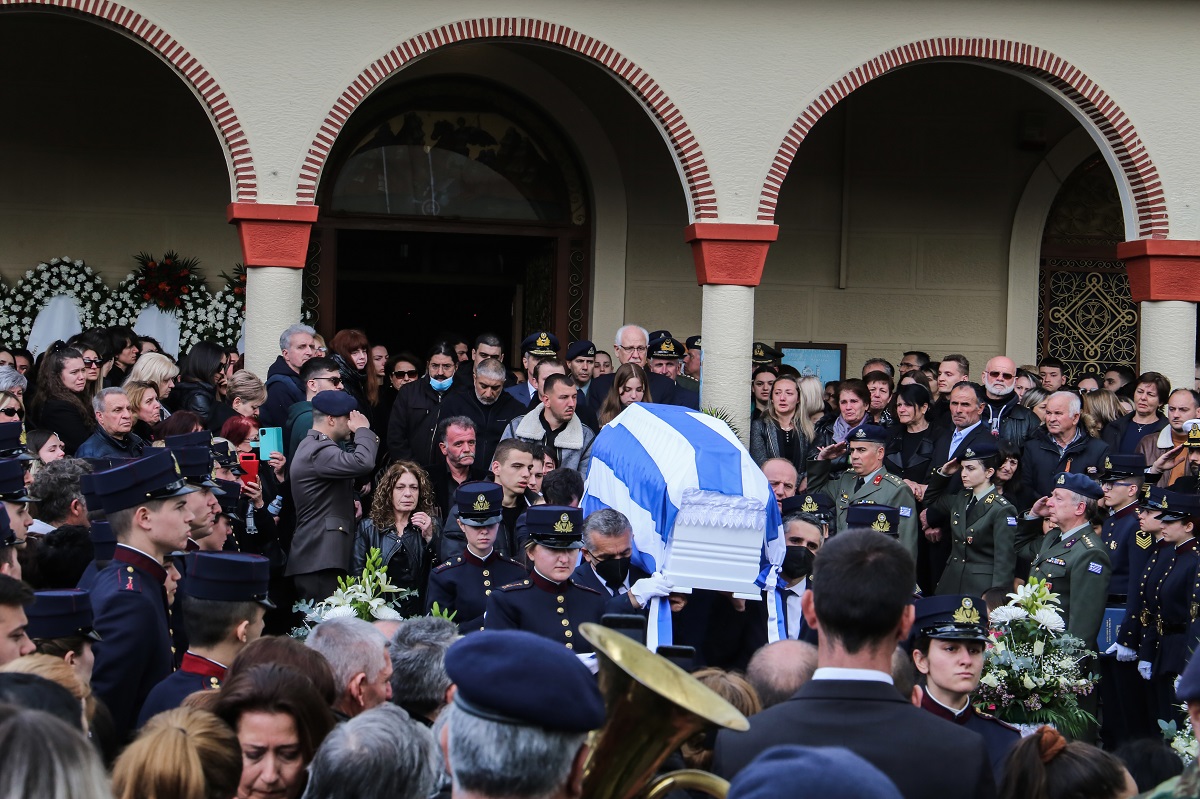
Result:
41,284
229,306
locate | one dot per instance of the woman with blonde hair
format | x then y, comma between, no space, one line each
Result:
143,402
402,525
812,404
629,385
244,395
156,368
697,751
779,432
1100,409
182,753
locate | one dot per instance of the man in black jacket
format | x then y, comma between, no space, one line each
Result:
1063,446
860,602
1002,412
487,404
418,409
284,389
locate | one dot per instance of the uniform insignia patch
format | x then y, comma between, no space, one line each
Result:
905,512
543,340
809,505
1112,545
1095,568
1056,561
878,479
1143,539
563,525
990,499
1062,480
1011,521
481,503
966,614
881,524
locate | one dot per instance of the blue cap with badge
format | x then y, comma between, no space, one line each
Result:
817,503
12,481
880,518
228,577
1176,506
155,476
1079,484
195,464
479,504
869,433
1152,497
956,617
494,682
693,342
10,442
542,343
581,349
61,614
666,348
1132,465
226,456
334,403
980,451
555,526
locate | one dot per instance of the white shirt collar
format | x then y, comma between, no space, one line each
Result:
958,712
860,675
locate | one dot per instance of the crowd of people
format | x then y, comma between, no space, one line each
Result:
161,517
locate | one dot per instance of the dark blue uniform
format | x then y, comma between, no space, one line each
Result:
1128,551
546,608
998,736
129,607
464,584
196,673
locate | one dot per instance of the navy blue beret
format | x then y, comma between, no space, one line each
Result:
984,449
61,614
479,503
1080,484
581,349
818,504
822,771
228,577
155,476
10,442
871,433
12,481
953,616
542,343
693,342
555,526
880,518
334,403
492,672
1132,465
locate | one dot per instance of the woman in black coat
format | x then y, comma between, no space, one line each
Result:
909,448
60,404
196,390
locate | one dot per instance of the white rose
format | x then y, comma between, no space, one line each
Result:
29,274
79,263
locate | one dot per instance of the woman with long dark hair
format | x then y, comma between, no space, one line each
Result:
351,351
60,403
911,439
197,387
629,385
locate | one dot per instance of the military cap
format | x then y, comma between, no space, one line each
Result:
200,438
155,476
334,403
8,538
12,481
196,465
479,504
10,442
87,487
666,348
229,496
1176,506
61,614
761,353
228,577
823,771
981,451
1132,465
880,518
1191,442
1188,687
225,455
818,503
1152,497
581,349
494,682
555,526
952,616
1080,484
543,343
104,540
868,432
657,334
693,342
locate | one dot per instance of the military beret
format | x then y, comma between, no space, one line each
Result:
666,348
880,518
982,450
693,342
1193,437
581,349
334,403
228,577
479,504
491,670
872,433
541,343
1176,506
952,616
761,353
555,526
817,503
12,481
155,476
199,438
61,614
1132,465
10,442
1188,687
823,771
1080,484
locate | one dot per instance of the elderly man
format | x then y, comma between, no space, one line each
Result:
322,484
284,388
60,498
1162,449
554,425
380,754
780,669
420,684
1064,446
782,476
362,667
487,404
1003,413
632,344
114,436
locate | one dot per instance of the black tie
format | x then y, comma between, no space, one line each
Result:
970,503
858,483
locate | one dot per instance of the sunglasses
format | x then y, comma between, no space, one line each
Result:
92,361
409,373
1001,375
337,381
11,412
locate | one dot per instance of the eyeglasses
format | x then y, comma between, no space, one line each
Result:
632,349
1114,484
92,361
11,412
337,381
1001,375
409,373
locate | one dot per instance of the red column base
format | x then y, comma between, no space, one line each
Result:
273,235
1162,269
730,254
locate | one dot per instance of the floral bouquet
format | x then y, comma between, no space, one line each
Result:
167,281
1032,673
368,597
1183,742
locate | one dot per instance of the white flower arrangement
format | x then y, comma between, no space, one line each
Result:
58,276
370,596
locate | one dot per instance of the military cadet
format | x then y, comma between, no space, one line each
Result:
10,564
983,523
548,602
11,446
581,357
949,636
16,500
463,583
693,363
866,480
147,507
538,345
818,504
226,600
1069,557
193,452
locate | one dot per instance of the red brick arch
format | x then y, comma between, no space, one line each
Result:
134,25
1077,88
651,95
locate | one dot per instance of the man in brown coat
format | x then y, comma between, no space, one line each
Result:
1158,447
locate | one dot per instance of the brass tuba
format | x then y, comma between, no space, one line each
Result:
653,706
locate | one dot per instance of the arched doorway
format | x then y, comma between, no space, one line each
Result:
451,205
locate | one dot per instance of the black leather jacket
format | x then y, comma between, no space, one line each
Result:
194,396
407,557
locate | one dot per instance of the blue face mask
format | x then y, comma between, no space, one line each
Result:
441,385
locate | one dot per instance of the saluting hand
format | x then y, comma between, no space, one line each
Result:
1041,508
357,420
1168,460
950,467
831,452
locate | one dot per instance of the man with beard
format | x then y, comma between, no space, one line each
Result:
1163,450
457,442
553,424
1190,482
1002,412
486,404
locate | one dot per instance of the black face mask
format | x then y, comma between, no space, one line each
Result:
797,563
612,571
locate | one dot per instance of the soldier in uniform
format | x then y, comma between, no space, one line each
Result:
548,602
16,500
816,503
146,504
60,624
693,363
982,523
949,636
227,597
1069,557
866,480
463,583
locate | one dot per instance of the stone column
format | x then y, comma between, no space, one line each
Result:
274,246
729,262
1163,281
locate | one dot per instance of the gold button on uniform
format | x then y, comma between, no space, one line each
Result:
487,582
570,646
561,599
486,573
567,633
562,610
487,592
566,622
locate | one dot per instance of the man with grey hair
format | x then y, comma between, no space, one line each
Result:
13,382
632,343
114,436
358,655
488,405
284,389
1063,446
420,684
778,669
607,566
380,754
60,498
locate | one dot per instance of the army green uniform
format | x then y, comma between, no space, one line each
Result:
880,488
983,540
1185,786
690,383
1077,567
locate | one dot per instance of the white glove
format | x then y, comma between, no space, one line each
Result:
1144,669
649,587
1123,653
590,661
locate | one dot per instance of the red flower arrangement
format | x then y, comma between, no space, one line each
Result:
164,282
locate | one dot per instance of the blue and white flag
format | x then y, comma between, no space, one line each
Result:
643,464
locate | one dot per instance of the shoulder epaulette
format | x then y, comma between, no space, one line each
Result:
450,564
519,585
894,479
995,720
1087,541
585,588
999,500
507,559
128,579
